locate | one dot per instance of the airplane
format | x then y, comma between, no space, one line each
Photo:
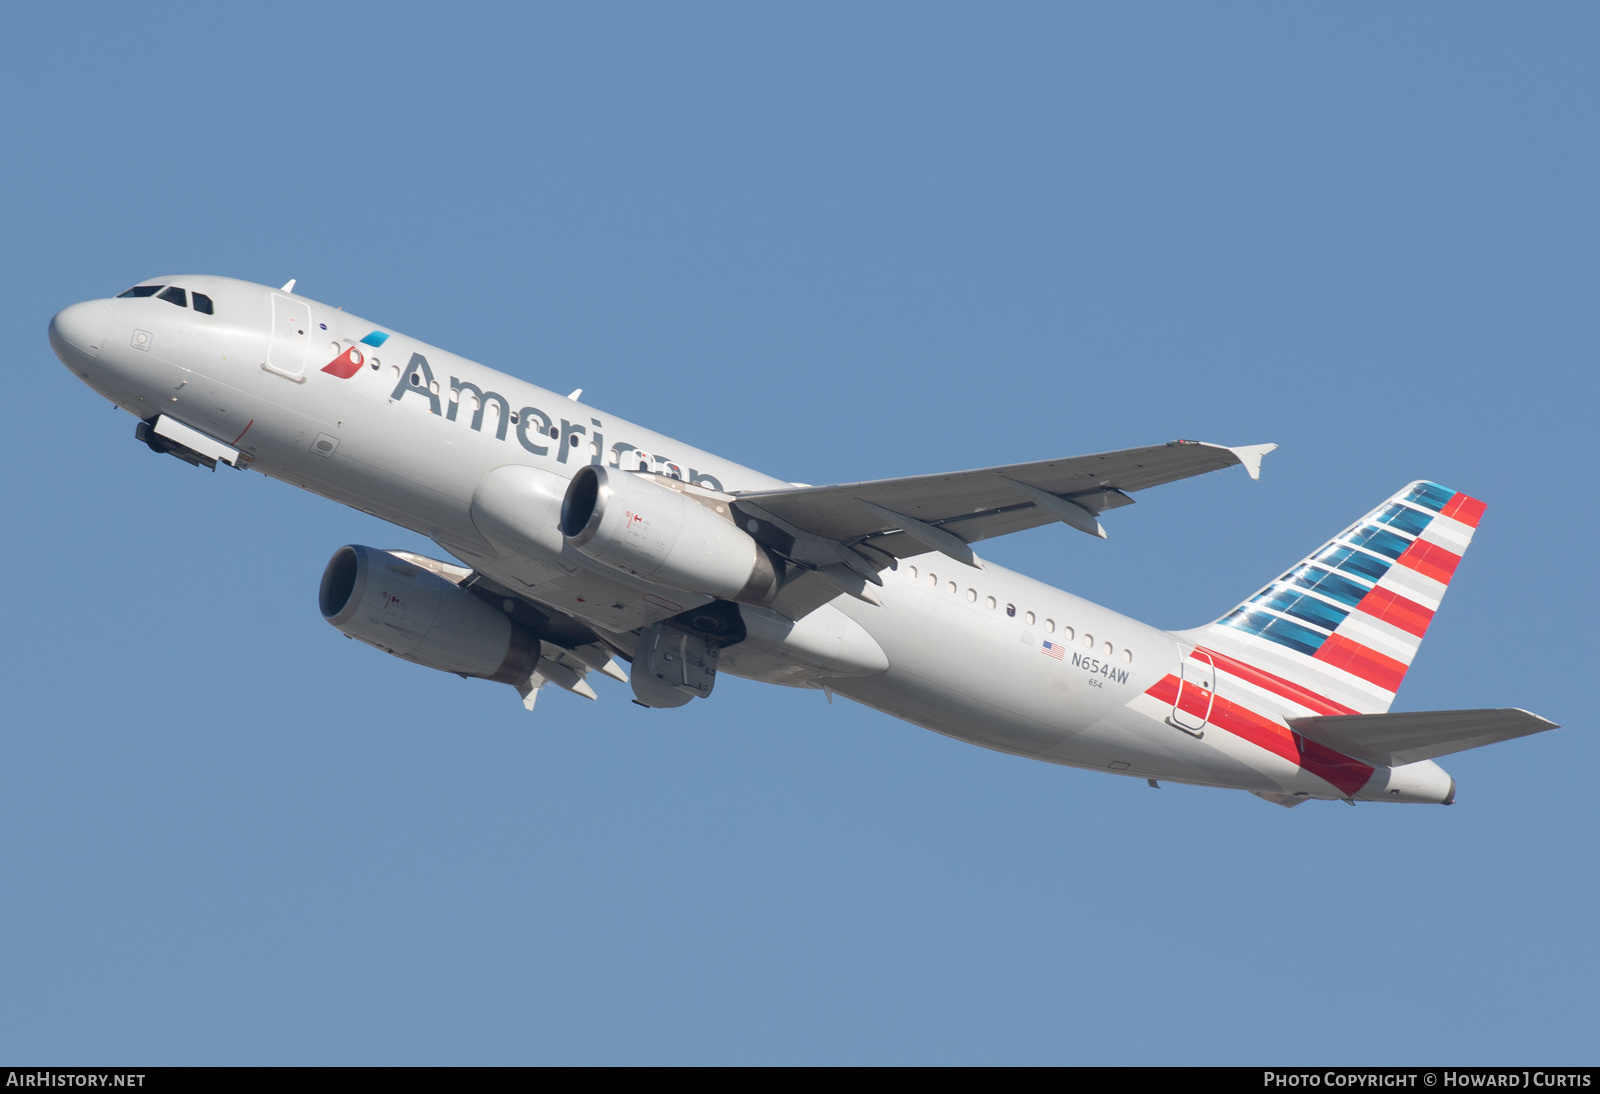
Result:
582,542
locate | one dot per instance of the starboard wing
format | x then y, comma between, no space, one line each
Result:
841,536
895,516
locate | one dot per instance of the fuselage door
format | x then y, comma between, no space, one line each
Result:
1197,683
291,337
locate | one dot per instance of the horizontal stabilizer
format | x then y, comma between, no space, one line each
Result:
1393,739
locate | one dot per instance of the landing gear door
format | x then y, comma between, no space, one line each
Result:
1197,684
672,666
291,338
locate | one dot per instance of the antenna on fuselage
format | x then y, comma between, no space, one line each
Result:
288,287
577,391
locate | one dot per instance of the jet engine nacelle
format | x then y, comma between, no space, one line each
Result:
656,533
416,615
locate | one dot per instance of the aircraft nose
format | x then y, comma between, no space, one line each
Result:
77,331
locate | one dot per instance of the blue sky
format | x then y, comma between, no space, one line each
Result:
834,242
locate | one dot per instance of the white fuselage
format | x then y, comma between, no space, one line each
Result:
965,648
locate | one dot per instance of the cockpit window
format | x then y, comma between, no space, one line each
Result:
176,296
140,290
202,303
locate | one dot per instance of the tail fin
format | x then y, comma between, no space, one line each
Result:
1344,624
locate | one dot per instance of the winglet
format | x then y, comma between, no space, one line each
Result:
1250,455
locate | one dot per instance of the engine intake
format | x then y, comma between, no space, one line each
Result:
418,616
627,520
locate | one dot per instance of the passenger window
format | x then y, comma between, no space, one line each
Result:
1049,626
176,296
1067,633
1011,610
933,579
990,602
972,596
912,571
140,290
202,303
952,588
1029,617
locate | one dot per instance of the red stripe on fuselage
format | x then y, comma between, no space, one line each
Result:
1286,689
1358,660
1339,771
1468,511
1347,774
1396,610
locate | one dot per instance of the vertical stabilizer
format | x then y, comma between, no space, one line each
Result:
1336,634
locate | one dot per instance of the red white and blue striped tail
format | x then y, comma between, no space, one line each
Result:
1341,628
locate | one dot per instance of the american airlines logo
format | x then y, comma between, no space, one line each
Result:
533,426
348,363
